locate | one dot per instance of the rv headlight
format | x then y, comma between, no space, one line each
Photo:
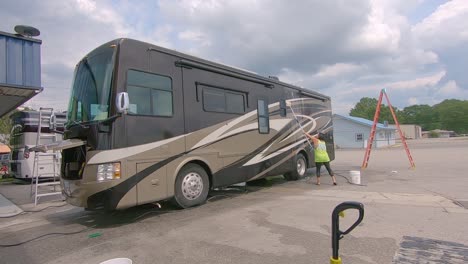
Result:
108,171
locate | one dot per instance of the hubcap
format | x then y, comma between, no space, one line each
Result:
301,167
192,186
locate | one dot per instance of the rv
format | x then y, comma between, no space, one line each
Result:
25,125
147,124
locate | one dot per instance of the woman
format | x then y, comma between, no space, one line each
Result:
321,156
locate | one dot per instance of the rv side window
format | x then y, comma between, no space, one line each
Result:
149,94
263,117
223,101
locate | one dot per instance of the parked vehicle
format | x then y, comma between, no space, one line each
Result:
24,135
179,126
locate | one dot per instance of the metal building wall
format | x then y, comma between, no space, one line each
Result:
20,70
20,61
345,130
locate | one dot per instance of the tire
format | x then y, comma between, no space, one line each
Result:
300,168
191,186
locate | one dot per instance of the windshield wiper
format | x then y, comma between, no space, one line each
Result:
110,119
81,124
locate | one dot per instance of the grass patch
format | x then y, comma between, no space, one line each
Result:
6,180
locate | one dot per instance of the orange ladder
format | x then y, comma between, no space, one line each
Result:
370,141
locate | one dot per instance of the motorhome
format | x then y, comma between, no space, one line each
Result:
146,124
24,132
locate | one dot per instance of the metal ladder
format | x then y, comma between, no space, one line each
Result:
47,117
370,141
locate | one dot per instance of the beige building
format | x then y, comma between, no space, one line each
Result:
409,131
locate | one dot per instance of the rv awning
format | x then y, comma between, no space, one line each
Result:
61,145
13,96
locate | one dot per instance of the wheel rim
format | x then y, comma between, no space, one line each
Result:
192,186
301,166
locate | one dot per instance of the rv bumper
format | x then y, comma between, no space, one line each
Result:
79,194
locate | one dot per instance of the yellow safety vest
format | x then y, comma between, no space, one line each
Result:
321,154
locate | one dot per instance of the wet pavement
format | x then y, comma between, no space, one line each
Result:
411,216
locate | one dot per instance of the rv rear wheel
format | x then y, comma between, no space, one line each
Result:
299,169
191,186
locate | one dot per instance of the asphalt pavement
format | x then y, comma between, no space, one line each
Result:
411,216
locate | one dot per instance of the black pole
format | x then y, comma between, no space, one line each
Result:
337,234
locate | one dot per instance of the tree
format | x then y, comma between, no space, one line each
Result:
434,134
5,128
453,115
422,115
5,124
366,107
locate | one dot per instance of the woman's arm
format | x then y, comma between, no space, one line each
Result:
314,139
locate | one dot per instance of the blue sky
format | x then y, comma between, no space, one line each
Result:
416,49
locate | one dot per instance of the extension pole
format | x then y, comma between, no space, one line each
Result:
295,117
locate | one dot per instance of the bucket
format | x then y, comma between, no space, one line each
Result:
118,261
355,177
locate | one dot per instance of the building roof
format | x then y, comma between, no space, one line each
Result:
364,121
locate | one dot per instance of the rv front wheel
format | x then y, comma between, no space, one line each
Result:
299,169
191,186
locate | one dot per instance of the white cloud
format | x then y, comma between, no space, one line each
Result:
71,29
445,27
450,87
401,93
344,50
86,5
451,90
417,83
413,101
194,36
338,69
380,33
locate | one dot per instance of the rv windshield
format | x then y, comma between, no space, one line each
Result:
91,87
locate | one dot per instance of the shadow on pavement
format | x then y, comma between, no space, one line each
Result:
103,219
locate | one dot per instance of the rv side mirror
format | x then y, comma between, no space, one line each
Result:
122,102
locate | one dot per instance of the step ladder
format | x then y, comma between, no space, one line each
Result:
370,141
43,159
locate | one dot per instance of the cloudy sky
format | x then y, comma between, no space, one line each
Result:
347,49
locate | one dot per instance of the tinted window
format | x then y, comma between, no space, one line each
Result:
234,103
224,101
149,94
163,102
139,100
149,80
213,100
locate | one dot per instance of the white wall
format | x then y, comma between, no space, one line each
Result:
345,131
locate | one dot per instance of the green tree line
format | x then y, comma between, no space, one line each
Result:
451,114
